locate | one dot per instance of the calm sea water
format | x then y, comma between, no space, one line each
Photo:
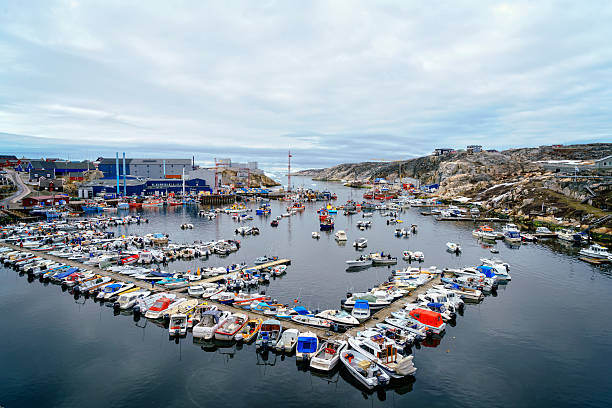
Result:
544,340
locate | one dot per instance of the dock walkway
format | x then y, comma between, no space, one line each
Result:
379,316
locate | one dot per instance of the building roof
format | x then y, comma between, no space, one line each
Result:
49,197
107,161
603,158
70,165
7,157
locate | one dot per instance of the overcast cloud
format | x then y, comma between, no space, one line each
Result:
334,81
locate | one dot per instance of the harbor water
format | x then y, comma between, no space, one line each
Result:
543,340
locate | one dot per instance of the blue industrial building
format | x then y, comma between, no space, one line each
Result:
136,187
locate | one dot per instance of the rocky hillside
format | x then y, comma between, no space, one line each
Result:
257,180
510,179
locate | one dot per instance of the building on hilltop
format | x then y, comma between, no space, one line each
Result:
443,151
474,148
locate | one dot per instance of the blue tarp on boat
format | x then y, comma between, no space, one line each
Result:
487,271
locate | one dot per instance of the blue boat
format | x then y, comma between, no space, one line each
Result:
65,274
307,346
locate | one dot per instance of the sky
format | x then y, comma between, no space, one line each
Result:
334,81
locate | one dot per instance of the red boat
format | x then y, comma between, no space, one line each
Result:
433,320
368,196
130,259
134,204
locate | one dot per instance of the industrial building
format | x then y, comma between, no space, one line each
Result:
53,169
145,168
139,187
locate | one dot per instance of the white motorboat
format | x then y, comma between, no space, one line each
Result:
382,259
195,290
453,247
338,316
128,300
228,329
362,261
311,321
340,236
363,369
178,325
596,251
361,243
208,324
316,235
287,340
361,310
328,355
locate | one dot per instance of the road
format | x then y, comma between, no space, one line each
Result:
22,189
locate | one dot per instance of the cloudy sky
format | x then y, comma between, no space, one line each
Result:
334,81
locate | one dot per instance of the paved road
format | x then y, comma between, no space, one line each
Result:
22,189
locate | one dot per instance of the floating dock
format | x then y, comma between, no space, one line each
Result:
377,317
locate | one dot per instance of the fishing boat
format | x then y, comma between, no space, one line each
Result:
287,340
327,224
328,355
208,324
361,262
228,329
382,259
361,310
249,330
178,325
365,371
311,321
307,346
596,251
268,334
338,316
383,352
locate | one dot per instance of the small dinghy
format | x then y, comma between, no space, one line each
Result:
249,330
316,235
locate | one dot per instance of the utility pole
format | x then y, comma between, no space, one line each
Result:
289,173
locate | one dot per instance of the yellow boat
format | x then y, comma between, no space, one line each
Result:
250,330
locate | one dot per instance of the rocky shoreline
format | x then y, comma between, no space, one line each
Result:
510,182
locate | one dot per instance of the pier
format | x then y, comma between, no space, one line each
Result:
323,333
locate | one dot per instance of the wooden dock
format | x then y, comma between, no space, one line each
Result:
470,219
377,317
